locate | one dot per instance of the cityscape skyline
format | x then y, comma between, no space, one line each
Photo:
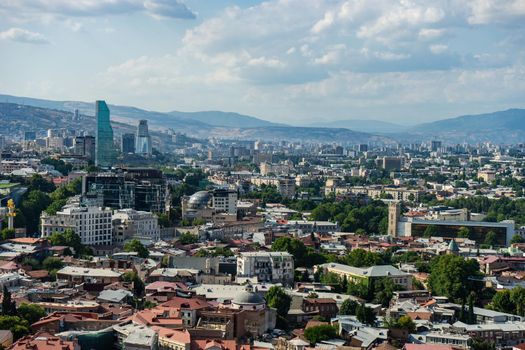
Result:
286,61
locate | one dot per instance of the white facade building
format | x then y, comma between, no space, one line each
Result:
130,223
91,224
266,266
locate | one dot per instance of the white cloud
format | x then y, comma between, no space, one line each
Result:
437,49
266,62
324,23
430,33
23,36
43,9
498,11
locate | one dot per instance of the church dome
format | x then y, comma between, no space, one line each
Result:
248,297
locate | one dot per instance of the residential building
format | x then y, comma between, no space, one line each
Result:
129,224
91,224
266,266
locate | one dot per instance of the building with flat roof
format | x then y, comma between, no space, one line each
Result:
266,266
142,189
91,224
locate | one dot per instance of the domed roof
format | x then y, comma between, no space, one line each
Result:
248,297
199,199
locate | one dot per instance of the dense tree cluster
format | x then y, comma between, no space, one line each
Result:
352,216
454,277
510,301
277,298
319,333
496,209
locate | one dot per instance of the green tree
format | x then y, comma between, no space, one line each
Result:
517,296
430,231
69,238
362,258
517,239
292,246
451,276
31,312
138,284
319,333
188,238
8,305
8,233
490,239
135,245
348,307
365,315
501,301
403,322
277,298
463,232
17,325
51,263
383,290
480,344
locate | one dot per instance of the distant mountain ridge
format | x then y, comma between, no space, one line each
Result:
218,124
371,126
499,127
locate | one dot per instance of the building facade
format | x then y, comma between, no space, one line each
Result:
91,224
130,223
105,150
266,266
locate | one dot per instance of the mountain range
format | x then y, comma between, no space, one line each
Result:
500,127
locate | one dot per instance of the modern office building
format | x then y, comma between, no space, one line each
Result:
204,204
402,226
136,188
85,146
127,143
143,141
105,150
91,224
29,136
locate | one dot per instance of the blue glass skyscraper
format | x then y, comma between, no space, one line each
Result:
105,148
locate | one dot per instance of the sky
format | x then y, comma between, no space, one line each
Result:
289,61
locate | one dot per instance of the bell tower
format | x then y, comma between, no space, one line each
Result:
394,212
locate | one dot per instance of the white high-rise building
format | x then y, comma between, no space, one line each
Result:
91,224
143,140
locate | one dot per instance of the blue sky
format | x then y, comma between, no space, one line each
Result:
293,61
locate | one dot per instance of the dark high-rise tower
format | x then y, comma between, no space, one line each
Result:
105,147
143,139
127,143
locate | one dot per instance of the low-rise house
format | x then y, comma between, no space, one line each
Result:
361,274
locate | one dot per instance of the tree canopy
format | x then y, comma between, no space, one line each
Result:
135,245
453,276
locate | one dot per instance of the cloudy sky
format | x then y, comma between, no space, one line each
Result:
294,61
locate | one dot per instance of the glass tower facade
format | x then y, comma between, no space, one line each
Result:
105,148
143,139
